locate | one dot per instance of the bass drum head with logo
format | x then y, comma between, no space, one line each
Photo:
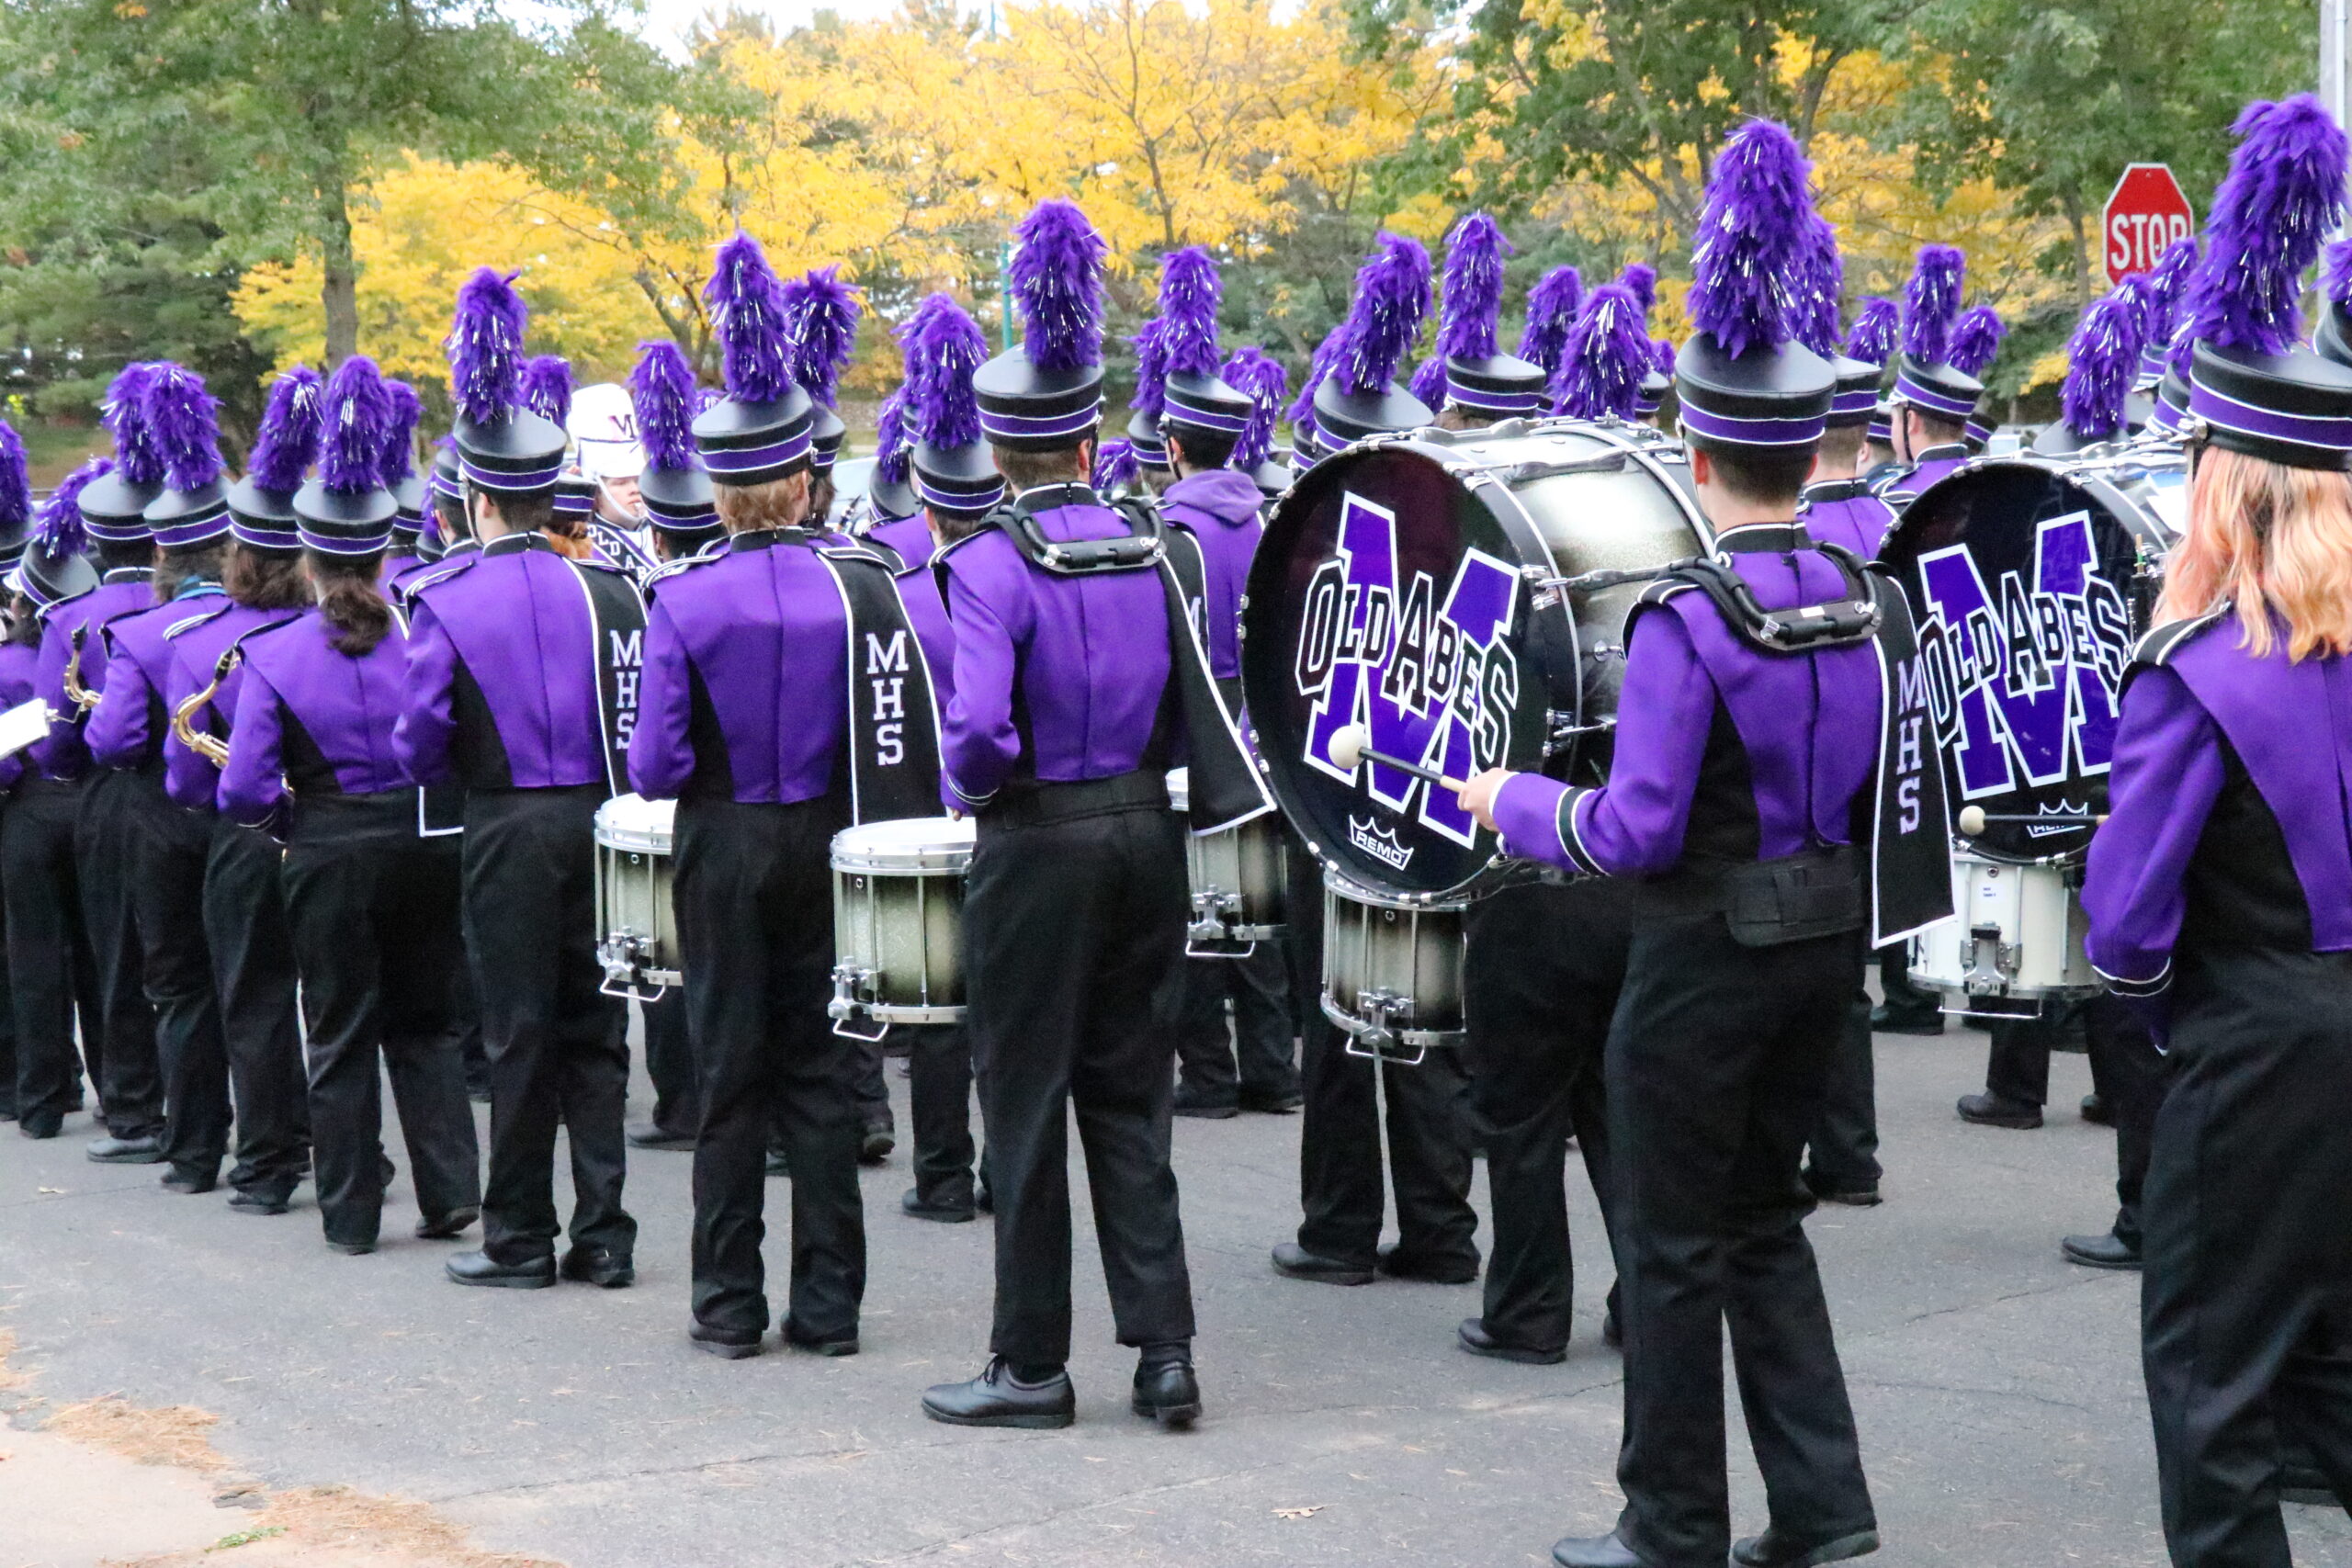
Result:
2028,579
1392,591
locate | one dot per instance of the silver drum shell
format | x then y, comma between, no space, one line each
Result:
897,917
1392,969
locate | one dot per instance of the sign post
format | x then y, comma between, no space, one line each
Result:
2147,211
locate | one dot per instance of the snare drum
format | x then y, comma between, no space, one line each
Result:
1392,969
897,912
1236,877
2016,944
637,921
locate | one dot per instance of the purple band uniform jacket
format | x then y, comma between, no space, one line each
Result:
909,539
20,672
1220,508
313,718
1845,512
2228,820
195,646
127,727
64,752
1907,485
1724,753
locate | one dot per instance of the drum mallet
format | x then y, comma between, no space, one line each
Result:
1974,818
1349,747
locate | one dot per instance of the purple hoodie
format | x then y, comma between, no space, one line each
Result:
1220,508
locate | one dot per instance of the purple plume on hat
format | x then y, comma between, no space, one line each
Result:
1260,376
184,421
2283,194
1878,325
1975,340
1318,369
15,485
124,414
485,346
2336,272
892,451
1752,238
823,311
1190,292
1664,350
1058,278
59,526
1115,465
1151,367
547,387
1552,307
661,392
357,414
1608,355
755,332
1820,284
944,348
1428,385
400,433
1473,302
1640,280
1931,303
2167,284
287,442
1391,298
2101,360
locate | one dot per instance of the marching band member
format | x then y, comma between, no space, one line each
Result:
1339,1141
1975,344
1468,380
763,720
1069,627
410,495
1740,774
894,513
1840,506
52,972
244,907
521,686
2219,888
1255,372
110,511
188,520
371,901
1932,401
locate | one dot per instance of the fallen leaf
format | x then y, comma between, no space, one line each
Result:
1305,1513
55,1191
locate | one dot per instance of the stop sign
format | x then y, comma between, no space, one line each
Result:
2147,212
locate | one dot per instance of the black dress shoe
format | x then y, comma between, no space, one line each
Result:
189,1182
877,1145
726,1346
1300,1264
1167,1392
1612,1334
914,1203
1206,1110
1998,1111
261,1202
840,1344
448,1225
996,1399
1774,1550
1886,1019
653,1136
2302,1480
2106,1250
1595,1551
352,1249
482,1268
600,1267
1865,1196
1399,1263
127,1151
983,1200
41,1126
1471,1336
2098,1111
777,1164
1283,1104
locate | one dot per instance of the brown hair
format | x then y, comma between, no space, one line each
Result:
1841,451
2275,543
779,504
1027,471
349,600
265,579
1758,475
175,568
1945,429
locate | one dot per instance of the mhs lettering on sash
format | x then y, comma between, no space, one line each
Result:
889,703
628,660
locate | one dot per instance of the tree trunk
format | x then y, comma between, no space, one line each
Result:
2082,251
338,272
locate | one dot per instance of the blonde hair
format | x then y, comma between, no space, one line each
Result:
779,504
2271,540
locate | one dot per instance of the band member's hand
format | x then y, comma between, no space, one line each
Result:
1477,795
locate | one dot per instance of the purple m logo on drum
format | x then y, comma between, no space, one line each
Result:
1432,679
2025,683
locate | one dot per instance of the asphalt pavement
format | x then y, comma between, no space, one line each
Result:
1997,1387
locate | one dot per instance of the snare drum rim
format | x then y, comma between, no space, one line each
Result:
903,858
652,837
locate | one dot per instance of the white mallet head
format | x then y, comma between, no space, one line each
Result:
1971,820
1347,745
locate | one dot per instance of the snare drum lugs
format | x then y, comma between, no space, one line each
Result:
1392,969
637,919
1238,878
2017,945
898,916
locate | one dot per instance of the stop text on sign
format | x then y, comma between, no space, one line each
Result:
2147,212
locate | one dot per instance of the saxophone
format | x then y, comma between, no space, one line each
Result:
204,743
82,698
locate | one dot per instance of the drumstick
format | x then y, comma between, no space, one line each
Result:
1349,747
1974,818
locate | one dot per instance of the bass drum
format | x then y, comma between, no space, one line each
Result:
1409,585
2031,579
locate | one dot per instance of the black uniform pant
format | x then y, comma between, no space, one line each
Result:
373,912
1540,984
1842,1155
559,1047
2249,1257
107,836
2127,1072
1715,1063
1253,1060
1074,946
254,973
939,1098
754,898
670,1062
173,846
53,974
1339,1145
869,1089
